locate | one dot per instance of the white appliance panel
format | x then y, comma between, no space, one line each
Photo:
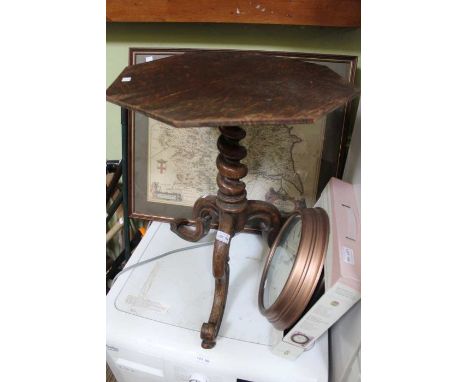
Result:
154,314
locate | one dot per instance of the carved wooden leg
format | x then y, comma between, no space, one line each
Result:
209,330
204,214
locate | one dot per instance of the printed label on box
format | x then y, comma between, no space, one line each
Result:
347,254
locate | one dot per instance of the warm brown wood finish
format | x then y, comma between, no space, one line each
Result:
333,150
230,88
339,13
231,211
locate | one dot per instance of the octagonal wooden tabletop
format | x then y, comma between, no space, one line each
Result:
230,88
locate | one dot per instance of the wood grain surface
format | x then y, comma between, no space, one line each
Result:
230,88
340,13
109,376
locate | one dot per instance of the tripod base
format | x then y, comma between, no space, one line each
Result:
205,213
232,212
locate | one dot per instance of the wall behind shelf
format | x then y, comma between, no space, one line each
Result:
122,36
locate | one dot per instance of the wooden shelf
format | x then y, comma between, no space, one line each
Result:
337,13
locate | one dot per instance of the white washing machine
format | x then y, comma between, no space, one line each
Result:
155,311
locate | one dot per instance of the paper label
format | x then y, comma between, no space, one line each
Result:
223,236
148,59
126,79
347,254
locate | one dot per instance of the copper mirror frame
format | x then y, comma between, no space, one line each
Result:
306,270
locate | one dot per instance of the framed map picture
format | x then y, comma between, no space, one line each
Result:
170,168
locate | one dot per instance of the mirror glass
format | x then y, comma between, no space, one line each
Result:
282,261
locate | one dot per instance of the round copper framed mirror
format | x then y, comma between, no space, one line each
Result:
293,267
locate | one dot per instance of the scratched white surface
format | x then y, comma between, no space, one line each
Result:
178,289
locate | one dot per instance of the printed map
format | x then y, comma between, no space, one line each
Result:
283,163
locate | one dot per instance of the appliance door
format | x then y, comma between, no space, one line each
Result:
125,370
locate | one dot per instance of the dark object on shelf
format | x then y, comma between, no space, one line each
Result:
117,265
113,207
124,163
117,170
112,165
225,90
120,170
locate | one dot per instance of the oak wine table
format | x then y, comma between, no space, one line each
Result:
228,90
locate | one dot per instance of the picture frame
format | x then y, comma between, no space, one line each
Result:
337,128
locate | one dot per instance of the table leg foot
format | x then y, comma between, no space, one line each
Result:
210,329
